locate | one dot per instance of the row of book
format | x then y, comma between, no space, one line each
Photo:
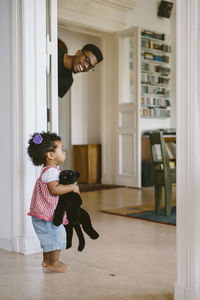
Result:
162,70
154,68
154,101
151,79
155,46
153,34
155,112
160,58
151,89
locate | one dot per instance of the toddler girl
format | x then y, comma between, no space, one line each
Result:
46,149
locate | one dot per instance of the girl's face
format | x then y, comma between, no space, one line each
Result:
59,154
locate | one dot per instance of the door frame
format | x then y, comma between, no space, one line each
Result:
28,116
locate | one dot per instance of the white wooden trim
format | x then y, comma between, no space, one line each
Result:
124,5
103,15
53,71
28,111
16,121
188,145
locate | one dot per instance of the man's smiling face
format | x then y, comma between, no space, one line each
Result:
84,61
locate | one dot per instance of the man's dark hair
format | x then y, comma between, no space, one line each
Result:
95,50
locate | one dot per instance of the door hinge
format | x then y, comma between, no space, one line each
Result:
48,53
48,114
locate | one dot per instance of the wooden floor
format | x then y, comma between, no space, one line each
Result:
132,259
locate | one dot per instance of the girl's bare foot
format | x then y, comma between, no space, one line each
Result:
44,264
59,267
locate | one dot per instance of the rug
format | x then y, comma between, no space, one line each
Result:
144,213
84,187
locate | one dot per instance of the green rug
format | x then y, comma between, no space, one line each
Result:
144,213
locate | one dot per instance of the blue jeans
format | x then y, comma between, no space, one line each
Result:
51,237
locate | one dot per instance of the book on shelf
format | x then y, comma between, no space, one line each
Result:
167,102
162,70
159,58
147,67
152,79
152,89
155,112
152,101
149,56
154,68
155,46
153,34
162,80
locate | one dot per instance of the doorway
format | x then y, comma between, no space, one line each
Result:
79,110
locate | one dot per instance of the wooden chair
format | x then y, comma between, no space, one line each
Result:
164,171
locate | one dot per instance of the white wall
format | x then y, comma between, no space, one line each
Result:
5,123
85,94
144,14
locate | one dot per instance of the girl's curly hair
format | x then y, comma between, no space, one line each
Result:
37,149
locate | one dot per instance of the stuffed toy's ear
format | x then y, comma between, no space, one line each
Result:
77,174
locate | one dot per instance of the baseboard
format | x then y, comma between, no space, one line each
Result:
182,293
26,245
107,180
5,244
21,245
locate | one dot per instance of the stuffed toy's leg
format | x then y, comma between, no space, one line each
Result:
69,234
86,223
80,235
73,214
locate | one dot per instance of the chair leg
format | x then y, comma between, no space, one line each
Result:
168,199
158,197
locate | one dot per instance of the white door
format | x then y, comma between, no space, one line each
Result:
52,77
128,131
58,110
29,113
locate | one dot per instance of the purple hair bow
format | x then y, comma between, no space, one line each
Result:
37,139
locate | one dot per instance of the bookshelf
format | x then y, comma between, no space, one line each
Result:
155,75
144,96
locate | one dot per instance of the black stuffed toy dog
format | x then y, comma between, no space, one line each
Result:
76,215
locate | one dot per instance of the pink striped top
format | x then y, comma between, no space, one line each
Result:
43,203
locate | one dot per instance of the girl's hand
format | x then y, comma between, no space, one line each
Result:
76,188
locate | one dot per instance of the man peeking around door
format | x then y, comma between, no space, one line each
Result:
84,60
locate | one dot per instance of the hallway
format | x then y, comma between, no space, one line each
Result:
132,259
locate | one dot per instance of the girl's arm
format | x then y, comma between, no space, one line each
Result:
56,188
